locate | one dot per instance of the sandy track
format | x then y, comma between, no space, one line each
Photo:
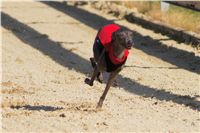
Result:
46,47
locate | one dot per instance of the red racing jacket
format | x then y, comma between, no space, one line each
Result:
105,37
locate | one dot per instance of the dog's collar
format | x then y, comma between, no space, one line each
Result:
114,59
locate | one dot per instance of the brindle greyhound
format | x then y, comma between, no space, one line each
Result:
111,42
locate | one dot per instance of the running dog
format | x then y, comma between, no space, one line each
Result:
111,49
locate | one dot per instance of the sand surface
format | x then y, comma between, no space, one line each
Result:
46,49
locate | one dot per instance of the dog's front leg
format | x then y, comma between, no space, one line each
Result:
96,70
109,83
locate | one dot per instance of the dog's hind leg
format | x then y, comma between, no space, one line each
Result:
93,62
99,75
90,81
96,71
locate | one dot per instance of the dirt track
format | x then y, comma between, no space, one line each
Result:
46,47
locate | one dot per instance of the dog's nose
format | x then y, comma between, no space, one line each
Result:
130,43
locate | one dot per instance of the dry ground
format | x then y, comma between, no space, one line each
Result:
46,47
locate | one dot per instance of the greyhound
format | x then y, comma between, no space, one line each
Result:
110,51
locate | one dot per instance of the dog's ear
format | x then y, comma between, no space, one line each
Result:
118,35
114,36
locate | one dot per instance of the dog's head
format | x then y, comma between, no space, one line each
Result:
123,38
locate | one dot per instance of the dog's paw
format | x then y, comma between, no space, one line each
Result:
88,81
99,108
115,84
100,77
99,105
